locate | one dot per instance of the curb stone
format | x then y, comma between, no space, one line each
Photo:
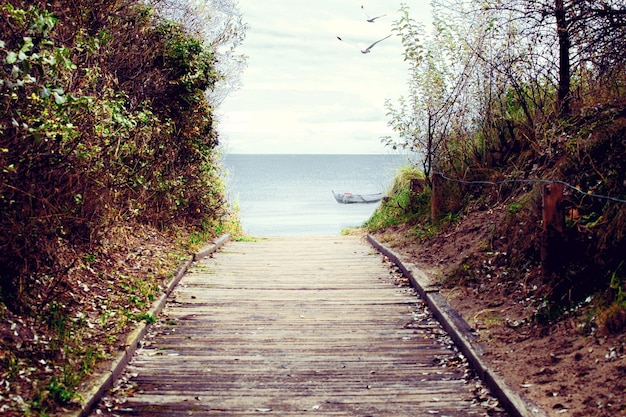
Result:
461,333
91,393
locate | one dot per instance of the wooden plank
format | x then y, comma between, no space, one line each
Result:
293,327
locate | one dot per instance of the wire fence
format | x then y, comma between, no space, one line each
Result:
531,181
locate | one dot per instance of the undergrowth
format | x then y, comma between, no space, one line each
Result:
402,204
592,245
109,176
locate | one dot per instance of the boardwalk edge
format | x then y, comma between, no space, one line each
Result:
95,388
460,331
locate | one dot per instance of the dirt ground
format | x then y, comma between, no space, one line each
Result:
564,367
97,316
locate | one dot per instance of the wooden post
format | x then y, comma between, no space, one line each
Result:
553,226
436,199
417,185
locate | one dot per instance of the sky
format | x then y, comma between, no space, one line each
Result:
303,90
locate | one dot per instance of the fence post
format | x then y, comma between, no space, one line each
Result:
416,187
553,226
436,199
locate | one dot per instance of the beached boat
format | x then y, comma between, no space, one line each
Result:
349,198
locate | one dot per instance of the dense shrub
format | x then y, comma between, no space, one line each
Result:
403,204
103,121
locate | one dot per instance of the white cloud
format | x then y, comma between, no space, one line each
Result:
304,91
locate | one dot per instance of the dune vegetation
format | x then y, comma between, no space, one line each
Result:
110,174
518,113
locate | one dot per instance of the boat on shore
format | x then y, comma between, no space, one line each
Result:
350,198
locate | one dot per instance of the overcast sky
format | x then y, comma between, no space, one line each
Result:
304,91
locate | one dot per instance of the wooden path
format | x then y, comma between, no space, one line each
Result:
296,327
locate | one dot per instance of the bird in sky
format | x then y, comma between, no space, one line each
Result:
369,48
371,19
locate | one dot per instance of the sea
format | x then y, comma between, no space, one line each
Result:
291,195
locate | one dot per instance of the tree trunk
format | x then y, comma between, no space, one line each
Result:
563,94
428,160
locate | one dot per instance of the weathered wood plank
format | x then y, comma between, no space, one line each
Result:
294,327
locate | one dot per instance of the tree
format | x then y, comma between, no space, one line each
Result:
436,106
104,120
492,76
585,32
219,23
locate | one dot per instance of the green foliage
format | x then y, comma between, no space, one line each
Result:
617,286
82,149
104,125
410,32
612,316
517,206
492,118
218,24
68,353
148,318
57,320
60,392
246,239
401,205
140,293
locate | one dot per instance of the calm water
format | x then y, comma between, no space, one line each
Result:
287,195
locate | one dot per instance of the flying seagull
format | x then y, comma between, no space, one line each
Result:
369,48
371,19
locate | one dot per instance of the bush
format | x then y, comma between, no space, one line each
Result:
402,205
104,121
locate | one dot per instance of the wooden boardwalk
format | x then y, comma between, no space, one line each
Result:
296,327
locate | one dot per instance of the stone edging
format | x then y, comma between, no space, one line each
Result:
92,393
460,332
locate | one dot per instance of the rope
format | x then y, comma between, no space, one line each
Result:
531,181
